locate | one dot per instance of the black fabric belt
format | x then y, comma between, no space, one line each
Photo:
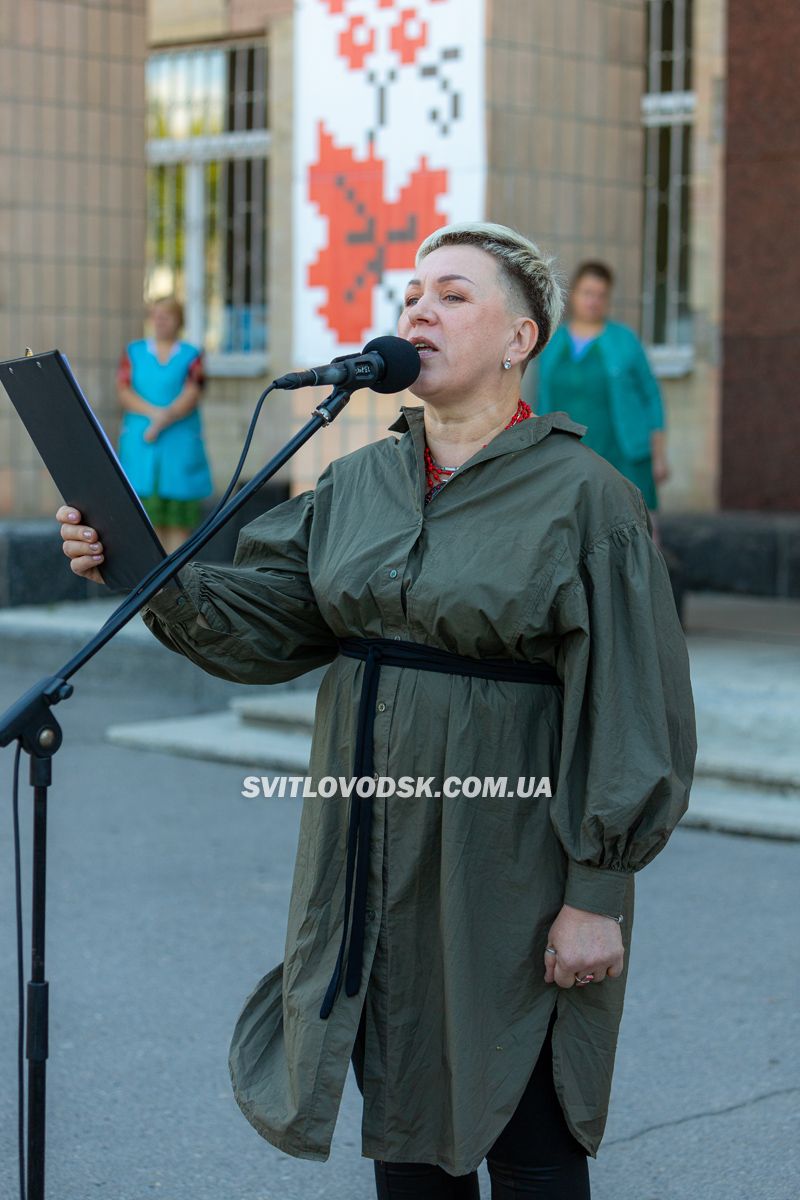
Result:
391,652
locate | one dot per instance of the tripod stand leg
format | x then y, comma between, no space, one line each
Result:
37,997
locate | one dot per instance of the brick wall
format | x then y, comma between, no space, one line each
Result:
565,78
72,200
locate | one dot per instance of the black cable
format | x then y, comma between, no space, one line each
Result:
235,477
20,980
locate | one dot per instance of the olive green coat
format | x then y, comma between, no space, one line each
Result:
536,549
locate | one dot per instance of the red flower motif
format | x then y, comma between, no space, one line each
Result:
409,35
337,6
356,42
366,235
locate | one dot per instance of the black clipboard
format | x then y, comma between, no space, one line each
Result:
83,464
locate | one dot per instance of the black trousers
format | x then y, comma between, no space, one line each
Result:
535,1155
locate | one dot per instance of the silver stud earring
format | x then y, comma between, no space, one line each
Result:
507,364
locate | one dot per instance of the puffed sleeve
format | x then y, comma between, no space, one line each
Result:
256,621
628,740
196,371
649,389
124,369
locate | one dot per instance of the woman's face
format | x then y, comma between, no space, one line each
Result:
166,322
590,299
457,310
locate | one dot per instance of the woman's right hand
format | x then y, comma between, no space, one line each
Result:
81,544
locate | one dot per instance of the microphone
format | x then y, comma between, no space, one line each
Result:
386,364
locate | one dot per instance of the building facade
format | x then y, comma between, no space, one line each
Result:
275,163
72,205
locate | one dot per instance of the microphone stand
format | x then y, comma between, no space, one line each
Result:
31,723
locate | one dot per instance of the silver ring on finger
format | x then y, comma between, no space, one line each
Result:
584,978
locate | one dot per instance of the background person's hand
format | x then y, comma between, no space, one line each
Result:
81,544
586,943
661,470
157,423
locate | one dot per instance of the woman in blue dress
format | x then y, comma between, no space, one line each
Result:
596,370
161,447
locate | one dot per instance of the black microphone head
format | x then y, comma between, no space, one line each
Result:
402,363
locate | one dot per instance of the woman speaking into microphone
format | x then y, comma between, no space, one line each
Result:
494,613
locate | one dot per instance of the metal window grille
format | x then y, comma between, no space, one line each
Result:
668,110
207,150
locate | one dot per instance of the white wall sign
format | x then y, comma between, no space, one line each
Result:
389,145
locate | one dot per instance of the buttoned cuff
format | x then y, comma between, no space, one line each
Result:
596,889
172,603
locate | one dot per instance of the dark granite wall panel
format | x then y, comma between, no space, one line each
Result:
760,436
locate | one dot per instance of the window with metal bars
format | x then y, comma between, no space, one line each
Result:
208,157
668,109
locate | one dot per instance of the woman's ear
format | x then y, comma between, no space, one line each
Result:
526,335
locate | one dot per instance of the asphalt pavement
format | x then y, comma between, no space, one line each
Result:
167,901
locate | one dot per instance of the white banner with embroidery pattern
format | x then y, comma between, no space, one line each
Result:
389,139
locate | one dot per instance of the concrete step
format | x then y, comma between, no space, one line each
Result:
747,698
223,737
747,702
219,737
295,711
43,637
725,762
742,809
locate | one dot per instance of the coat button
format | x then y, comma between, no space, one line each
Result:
381,706
393,573
371,914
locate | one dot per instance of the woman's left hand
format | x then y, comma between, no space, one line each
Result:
154,428
661,471
586,943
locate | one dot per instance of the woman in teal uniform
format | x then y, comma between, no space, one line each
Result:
159,381
597,371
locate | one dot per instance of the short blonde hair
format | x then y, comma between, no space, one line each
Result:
170,301
535,286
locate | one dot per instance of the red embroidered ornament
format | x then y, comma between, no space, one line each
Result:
436,477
